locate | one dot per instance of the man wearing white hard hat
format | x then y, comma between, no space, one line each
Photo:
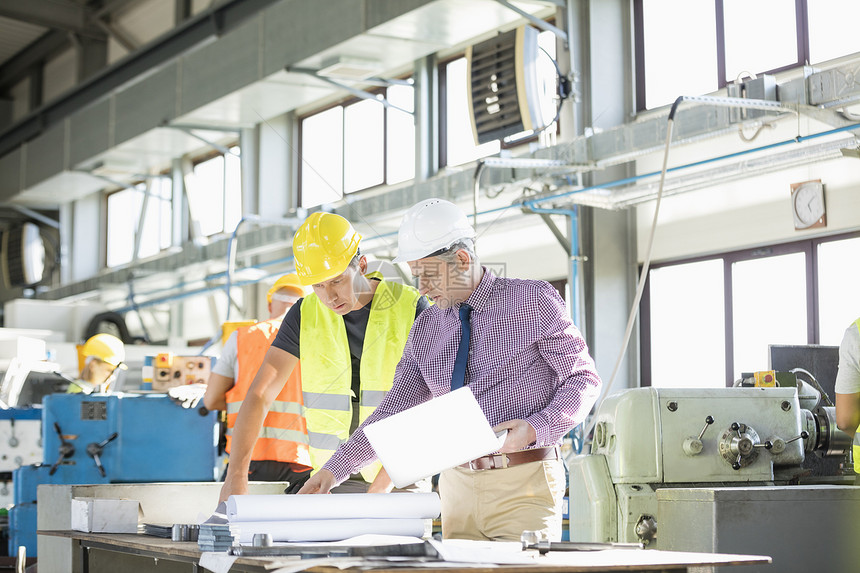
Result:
512,343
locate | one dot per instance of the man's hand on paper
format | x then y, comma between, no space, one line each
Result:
233,485
320,482
520,435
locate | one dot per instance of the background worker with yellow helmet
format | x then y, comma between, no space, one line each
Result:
349,334
102,355
281,450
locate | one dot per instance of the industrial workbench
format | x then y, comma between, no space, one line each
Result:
141,553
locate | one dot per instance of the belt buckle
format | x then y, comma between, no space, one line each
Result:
496,461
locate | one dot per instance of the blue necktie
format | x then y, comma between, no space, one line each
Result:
458,379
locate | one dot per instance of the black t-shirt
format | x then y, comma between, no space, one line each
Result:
356,324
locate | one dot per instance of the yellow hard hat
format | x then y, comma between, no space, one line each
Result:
106,347
323,247
290,282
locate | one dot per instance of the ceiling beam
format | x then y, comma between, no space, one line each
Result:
213,23
108,8
54,14
19,65
124,39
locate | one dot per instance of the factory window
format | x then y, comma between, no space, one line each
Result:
457,142
832,32
124,221
322,157
363,144
214,193
679,354
674,60
722,41
838,280
356,145
706,321
768,307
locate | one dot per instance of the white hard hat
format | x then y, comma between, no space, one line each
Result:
430,226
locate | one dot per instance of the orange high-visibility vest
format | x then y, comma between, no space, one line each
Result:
284,435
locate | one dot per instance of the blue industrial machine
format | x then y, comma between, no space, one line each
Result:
113,438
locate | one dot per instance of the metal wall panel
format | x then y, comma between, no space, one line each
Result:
296,30
608,143
89,132
146,104
381,11
222,67
698,121
45,155
648,134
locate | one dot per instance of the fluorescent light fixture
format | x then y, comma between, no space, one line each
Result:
349,68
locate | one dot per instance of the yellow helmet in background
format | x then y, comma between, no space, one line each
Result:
290,282
106,347
323,247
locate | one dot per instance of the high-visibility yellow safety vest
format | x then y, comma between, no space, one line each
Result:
856,447
283,436
327,367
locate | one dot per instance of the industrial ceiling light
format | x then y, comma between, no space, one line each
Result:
349,68
850,152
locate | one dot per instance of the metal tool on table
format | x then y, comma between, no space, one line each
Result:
535,540
184,532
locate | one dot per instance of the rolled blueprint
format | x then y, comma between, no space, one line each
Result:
367,506
329,529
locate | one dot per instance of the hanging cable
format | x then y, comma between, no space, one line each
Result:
562,89
643,275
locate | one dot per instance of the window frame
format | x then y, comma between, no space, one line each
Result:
344,103
801,40
807,246
106,218
203,158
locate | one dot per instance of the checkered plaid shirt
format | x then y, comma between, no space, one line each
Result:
527,361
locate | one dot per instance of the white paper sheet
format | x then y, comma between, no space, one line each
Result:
218,517
329,529
434,436
217,562
489,552
241,508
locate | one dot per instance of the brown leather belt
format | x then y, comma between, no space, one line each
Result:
499,461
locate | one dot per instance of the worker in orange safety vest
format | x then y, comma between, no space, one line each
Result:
281,450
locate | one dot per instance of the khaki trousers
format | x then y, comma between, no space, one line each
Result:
500,504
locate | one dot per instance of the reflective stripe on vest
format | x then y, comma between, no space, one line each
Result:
283,436
326,401
371,398
327,366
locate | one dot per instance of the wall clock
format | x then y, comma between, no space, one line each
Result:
807,205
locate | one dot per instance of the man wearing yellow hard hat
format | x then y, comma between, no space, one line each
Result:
103,354
349,334
281,450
